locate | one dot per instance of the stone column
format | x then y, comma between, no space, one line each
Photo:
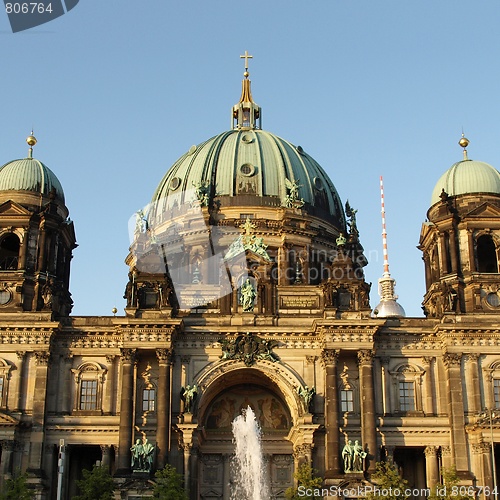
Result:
386,385
431,466
226,476
24,250
472,257
389,453
302,454
329,358
18,395
472,383
368,433
163,406
128,358
428,384
453,251
105,455
443,268
41,248
452,362
38,417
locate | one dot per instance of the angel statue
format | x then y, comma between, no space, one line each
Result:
292,198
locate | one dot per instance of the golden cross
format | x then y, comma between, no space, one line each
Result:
246,56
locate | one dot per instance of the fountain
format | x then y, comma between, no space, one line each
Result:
249,483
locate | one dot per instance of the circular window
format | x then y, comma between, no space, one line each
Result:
191,151
247,138
5,297
493,299
318,183
247,169
175,182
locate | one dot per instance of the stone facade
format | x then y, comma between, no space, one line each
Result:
408,389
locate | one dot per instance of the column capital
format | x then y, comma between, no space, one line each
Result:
128,355
310,360
21,355
431,451
164,356
110,358
365,357
329,357
302,450
452,359
481,448
427,360
446,451
471,356
42,358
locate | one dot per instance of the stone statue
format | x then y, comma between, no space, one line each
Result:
306,394
359,455
189,394
248,295
348,456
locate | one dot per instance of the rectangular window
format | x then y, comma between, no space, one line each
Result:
88,395
496,392
406,396
148,400
346,401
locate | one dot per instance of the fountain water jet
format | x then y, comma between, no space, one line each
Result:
249,483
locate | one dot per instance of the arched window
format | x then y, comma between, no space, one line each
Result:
9,252
486,255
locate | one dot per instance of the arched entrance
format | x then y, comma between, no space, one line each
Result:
227,396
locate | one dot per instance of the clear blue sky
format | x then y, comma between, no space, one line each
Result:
117,90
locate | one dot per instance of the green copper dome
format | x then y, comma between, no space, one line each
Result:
250,167
467,176
29,174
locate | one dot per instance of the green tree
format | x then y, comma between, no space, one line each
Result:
306,477
450,488
169,485
16,488
388,483
96,484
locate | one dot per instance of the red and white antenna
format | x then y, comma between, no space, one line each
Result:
384,231
388,307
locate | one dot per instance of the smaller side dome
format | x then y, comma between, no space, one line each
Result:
465,177
29,174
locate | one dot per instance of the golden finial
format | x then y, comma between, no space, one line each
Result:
114,311
31,140
464,142
246,56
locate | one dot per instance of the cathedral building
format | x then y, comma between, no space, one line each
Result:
246,288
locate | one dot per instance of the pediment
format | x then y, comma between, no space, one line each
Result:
484,210
12,208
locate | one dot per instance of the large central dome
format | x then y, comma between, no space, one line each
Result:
249,167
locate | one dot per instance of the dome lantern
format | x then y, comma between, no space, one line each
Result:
246,114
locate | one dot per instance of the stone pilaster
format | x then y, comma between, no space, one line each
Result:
452,362
481,456
18,395
332,452
105,455
386,385
163,405
368,424
128,357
